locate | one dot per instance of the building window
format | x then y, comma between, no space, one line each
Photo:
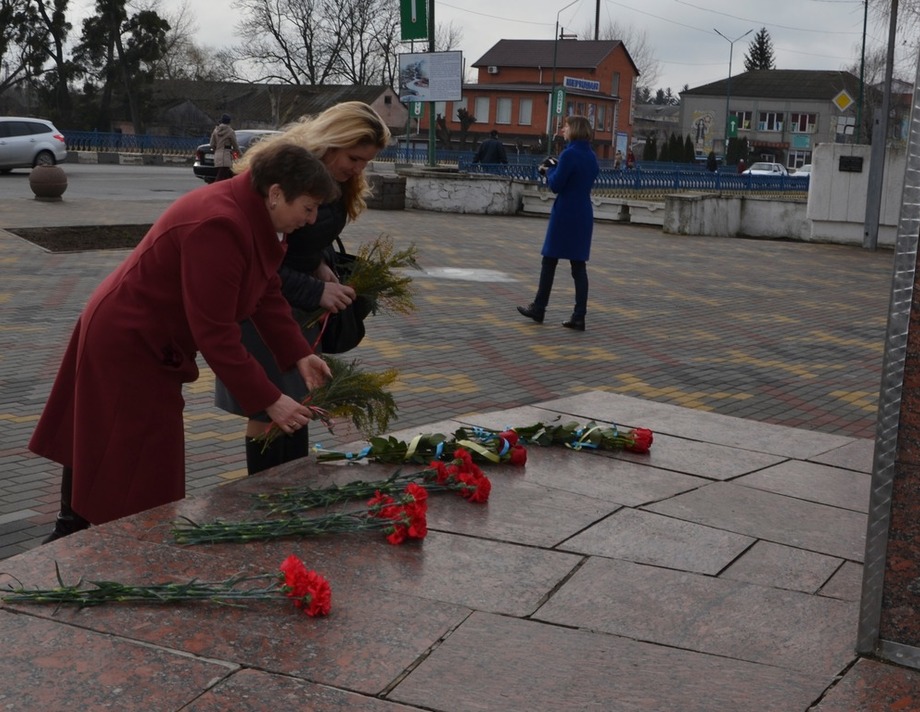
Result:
525,111
744,119
482,109
601,117
770,121
503,110
388,100
440,108
615,84
457,106
803,123
797,159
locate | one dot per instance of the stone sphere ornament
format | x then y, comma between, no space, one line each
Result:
48,182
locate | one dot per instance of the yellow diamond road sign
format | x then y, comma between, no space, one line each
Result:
843,101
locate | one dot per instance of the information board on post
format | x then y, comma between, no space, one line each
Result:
430,76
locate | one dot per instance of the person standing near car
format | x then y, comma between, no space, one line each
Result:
224,146
571,220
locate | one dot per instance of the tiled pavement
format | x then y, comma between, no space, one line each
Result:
779,332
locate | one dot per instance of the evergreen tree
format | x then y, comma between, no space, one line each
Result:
760,52
650,150
665,153
689,150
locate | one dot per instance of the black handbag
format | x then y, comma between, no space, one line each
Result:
345,329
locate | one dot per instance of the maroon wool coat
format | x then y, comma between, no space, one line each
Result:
115,412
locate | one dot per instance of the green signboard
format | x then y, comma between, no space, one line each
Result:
413,20
416,108
733,127
559,101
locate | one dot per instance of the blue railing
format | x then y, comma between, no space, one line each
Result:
131,143
647,175
655,177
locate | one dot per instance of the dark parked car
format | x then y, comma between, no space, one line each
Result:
204,157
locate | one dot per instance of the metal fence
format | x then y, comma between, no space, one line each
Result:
131,143
646,176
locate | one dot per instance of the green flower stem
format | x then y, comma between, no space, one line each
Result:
267,529
113,592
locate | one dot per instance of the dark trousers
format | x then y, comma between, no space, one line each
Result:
579,274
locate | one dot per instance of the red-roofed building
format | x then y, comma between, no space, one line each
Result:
512,94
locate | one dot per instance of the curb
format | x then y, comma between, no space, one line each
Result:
128,159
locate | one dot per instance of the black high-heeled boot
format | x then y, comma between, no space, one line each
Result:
259,457
297,444
68,521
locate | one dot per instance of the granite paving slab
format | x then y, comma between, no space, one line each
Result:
699,425
856,455
647,538
497,664
371,637
257,691
50,666
815,483
596,475
777,518
471,572
786,629
846,583
870,686
768,564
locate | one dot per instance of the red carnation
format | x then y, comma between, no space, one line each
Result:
309,590
642,440
518,455
510,436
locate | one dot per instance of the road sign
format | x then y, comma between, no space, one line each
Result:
416,108
733,127
413,15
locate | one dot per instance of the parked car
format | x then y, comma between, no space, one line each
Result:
763,168
803,170
204,156
26,142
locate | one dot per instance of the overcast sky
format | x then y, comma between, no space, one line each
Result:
806,34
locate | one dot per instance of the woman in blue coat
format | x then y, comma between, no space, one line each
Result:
571,221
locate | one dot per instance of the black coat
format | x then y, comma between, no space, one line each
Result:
309,247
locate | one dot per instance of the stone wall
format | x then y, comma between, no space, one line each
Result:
449,191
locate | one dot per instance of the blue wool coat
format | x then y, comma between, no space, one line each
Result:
571,221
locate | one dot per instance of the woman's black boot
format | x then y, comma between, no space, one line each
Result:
67,521
261,457
297,444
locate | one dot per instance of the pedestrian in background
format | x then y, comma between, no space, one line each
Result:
114,416
491,150
712,163
224,146
571,221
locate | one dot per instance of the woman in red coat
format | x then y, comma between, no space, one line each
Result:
114,416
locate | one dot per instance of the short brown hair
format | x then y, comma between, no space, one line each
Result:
580,128
293,168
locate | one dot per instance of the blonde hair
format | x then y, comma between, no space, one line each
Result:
345,125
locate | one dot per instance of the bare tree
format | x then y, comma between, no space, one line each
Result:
907,42
637,44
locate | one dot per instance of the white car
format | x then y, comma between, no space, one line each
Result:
763,168
26,142
803,170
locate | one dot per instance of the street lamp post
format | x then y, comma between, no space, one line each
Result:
552,91
728,85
